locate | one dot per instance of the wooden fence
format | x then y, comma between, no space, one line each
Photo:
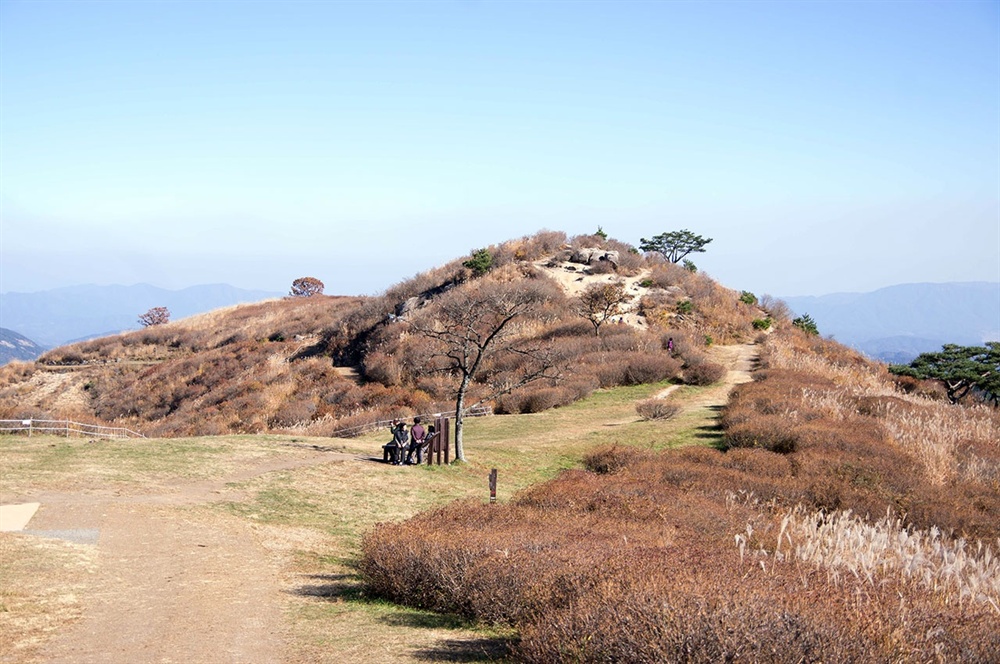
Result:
65,428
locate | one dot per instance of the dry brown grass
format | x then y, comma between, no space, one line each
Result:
272,366
41,581
649,558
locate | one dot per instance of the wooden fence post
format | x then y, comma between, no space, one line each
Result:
447,439
493,485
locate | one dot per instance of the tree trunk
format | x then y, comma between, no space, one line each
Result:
459,418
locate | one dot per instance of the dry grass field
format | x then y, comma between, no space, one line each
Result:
268,519
837,520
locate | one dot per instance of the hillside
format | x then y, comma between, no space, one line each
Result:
63,315
14,346
322,365
897,323
801,504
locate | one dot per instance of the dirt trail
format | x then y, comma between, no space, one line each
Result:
174,584
739,359
179,584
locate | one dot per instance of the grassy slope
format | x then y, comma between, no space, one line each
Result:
314,516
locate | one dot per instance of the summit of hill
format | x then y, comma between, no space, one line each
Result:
322,365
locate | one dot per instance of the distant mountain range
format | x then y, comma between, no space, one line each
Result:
897,323
14,346
56,317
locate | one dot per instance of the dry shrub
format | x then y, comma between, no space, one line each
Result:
612,458
641,368
638,564
704,373
763,433
657,409
382,368
534,399
695,554
291,413
664,275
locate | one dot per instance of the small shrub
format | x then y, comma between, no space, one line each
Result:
762,323
746,297
752,435
806,324
480,263
704,374
607,460
657,409
642,368
685,307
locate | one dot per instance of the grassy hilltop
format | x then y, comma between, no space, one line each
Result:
794,503
321,365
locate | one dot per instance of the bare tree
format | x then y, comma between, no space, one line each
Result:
155,316
470,325
306,287
602,301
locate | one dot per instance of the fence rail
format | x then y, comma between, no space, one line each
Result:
66,428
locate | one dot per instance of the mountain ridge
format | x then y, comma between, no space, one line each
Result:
70,313
897,323
17,347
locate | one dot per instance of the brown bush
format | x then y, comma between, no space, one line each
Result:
653,579
613,458
534,399
704,373
657,409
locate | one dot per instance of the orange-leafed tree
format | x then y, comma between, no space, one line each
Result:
306,287
155,316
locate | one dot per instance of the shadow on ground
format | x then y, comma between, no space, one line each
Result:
348,588
471,650
712,434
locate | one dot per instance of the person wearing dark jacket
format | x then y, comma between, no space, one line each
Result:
417,435
400,437
392,452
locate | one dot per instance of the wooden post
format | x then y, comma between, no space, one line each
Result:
447,437
493,485
438,432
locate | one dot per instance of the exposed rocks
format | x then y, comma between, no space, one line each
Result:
591,255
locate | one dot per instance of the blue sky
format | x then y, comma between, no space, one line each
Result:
825,146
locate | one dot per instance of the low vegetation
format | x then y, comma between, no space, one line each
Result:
831,512
820,529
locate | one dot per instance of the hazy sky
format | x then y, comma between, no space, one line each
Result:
825,146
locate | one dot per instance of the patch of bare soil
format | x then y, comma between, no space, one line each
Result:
574,279
58,391
169,582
